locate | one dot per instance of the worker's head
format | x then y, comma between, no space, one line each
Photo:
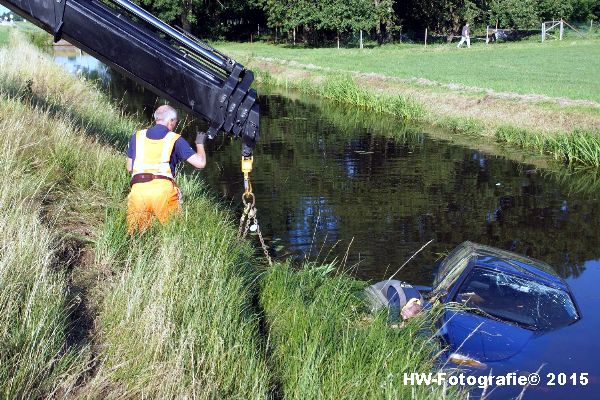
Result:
167,116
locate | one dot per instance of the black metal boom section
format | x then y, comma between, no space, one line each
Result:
169,62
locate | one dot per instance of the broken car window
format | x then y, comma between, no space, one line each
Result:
515,299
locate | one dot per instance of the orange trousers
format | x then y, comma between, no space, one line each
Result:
158,198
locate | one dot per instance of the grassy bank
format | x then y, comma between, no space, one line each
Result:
566,130
326,346
173,308
183,311
34,305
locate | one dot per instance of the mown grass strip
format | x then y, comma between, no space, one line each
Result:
555,68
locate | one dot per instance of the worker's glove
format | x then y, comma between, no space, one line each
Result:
200,137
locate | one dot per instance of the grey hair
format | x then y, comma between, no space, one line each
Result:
165,113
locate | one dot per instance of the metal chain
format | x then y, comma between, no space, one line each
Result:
248,219
242,219
262,243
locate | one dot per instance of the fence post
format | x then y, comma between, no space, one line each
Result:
561,29
361,39
425,37
487,34
543,31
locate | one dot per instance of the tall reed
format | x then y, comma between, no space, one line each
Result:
325,345
35,308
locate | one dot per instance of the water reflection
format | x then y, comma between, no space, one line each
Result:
390,189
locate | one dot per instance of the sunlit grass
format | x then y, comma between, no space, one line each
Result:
326,345
175,316
4,35
35,308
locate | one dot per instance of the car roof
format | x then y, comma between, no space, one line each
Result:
506,261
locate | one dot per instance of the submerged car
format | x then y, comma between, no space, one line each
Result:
496,302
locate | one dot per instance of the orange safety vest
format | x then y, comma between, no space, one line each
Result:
153,156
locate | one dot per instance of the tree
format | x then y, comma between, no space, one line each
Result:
585,10
555,9
444,17
344,15
205,18
520,14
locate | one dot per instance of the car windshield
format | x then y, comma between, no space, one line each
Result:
518,300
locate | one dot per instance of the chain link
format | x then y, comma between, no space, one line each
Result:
248,219
242,219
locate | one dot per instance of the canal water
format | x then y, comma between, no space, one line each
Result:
366,191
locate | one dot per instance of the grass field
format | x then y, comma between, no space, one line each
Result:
558,69
182,311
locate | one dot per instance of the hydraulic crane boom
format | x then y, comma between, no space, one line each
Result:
168,62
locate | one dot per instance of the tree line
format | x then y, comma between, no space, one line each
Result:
316,21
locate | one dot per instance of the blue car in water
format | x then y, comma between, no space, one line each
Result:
496,303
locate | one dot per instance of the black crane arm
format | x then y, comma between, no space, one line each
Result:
167,61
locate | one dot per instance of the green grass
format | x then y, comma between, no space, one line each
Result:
175,310
558,69
4,35
325,345
34,305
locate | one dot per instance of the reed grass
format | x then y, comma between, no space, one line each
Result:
575,148
343,89
326,345
35,309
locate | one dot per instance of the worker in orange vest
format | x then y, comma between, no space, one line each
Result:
152,156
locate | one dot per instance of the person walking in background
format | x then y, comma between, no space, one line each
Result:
465,36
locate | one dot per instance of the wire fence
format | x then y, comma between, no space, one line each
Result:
372,38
